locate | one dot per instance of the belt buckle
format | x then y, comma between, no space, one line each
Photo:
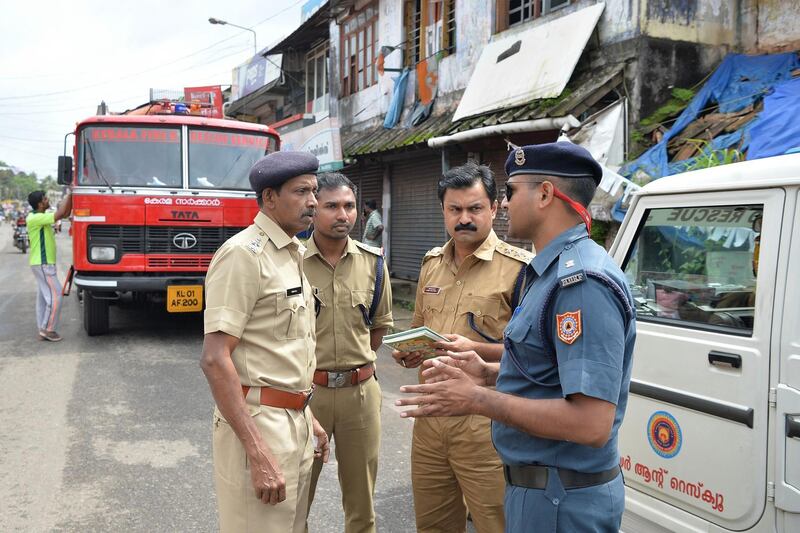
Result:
337,379
308,398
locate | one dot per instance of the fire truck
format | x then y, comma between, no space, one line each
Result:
155,192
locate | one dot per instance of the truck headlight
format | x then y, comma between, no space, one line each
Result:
103,254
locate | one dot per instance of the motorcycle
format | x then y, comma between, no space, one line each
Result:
21,238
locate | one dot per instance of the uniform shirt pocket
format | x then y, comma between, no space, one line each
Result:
289,312
530,353
360,299
432,307
485,314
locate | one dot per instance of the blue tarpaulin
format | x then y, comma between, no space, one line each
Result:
396,104
738,82
777,130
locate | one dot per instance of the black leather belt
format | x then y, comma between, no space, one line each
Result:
535,477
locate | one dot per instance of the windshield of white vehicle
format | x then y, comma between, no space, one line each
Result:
130,156
222,159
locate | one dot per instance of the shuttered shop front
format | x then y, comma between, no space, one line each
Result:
416,224
369,181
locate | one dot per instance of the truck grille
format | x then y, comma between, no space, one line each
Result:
162,239
178,262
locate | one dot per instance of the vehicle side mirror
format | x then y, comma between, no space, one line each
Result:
64,170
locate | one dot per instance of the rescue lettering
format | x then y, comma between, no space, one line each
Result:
229,139
723,215
695,490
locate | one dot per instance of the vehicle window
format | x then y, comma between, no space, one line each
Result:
697,266
130,156
222,159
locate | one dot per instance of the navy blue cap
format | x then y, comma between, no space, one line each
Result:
562,159
275,169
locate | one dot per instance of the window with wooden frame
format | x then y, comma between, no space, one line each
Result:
359,48
317,79
513,12
430,29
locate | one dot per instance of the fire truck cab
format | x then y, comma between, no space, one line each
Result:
154,196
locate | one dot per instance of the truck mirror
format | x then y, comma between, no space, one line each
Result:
64,170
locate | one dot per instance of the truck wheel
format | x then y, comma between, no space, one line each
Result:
95,314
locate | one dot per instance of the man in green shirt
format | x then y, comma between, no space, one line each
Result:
373,230
43,260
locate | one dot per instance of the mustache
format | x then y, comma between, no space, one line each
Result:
310,213
466,227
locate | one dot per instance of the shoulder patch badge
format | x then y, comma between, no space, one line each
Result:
569,326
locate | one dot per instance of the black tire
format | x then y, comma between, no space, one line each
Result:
23,247
95,314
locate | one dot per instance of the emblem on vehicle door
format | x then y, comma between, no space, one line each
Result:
664,434
184,241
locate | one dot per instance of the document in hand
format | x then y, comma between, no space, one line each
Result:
420,339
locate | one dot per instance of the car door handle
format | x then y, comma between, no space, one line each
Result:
792,427
723,358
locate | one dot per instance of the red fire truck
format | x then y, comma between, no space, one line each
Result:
155,193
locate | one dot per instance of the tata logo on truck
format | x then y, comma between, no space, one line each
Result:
184,241
185,215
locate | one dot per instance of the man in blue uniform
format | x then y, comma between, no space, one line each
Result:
562,383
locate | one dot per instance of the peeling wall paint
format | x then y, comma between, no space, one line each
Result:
777,24
697,21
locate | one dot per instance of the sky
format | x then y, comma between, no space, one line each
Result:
58,60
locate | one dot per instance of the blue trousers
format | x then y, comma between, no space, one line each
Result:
596,509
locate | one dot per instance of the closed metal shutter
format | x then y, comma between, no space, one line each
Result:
369,180
496,160
416,224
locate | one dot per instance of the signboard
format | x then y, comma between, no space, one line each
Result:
210,98
309,8
321,139
257,72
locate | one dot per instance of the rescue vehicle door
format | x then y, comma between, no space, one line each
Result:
696,429
787,397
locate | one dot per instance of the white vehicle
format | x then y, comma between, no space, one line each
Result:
711,438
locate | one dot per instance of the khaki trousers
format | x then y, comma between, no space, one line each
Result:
453,461
287,432
352,416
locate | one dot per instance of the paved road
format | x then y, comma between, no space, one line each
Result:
113,433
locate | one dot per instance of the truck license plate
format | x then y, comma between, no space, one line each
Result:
184,298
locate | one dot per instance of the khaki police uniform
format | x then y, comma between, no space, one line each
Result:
349,409
452,458
256,291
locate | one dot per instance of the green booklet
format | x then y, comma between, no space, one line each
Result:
420,339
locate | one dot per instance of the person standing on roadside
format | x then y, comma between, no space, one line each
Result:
258,356
467,291
373,227
42,259
351,283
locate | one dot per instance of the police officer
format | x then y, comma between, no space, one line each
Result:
351,283
562,384
258,356
466,291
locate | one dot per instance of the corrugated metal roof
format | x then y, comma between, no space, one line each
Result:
380,139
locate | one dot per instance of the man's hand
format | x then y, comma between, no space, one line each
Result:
455,394
323,448
457,343
408,359
267,479
469,362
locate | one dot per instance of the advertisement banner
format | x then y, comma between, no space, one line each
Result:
321,139
209,98
257,72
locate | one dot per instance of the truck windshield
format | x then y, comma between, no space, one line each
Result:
222,159
130,156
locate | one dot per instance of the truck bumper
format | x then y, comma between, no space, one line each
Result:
135,283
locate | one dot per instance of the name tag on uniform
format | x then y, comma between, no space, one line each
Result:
432,290
294,291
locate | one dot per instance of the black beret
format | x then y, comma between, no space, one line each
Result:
562,159
275,169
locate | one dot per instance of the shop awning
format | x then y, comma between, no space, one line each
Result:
311,31
528,65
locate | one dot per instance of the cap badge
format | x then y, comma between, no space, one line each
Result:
519,157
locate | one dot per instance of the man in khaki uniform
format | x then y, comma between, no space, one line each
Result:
466,291
347,400
258,356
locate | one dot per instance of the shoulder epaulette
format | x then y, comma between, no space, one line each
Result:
368,248
253,239
433,252
570,267
523,256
